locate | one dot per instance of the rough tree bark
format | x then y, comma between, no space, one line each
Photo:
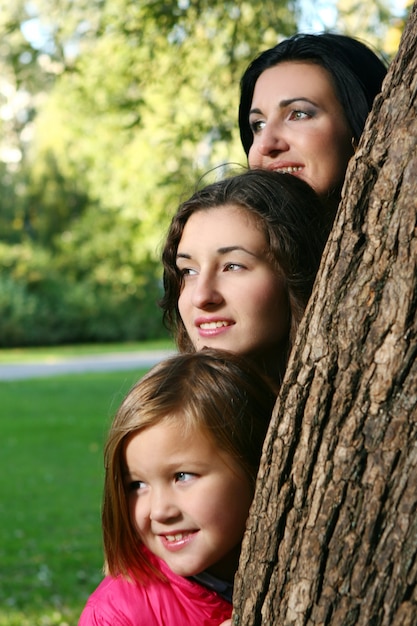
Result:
332,535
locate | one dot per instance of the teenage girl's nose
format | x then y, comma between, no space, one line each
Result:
162,505
206,291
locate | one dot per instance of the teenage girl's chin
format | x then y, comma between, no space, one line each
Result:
216,345
200,342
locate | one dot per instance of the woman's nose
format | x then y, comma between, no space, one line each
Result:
272,140
206,292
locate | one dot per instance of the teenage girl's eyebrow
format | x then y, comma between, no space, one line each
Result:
227,249
222,250
282,104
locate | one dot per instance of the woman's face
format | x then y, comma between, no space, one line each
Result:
232,296
299,126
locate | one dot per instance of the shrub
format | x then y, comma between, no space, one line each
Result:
43,303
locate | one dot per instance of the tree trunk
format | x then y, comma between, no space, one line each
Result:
332,535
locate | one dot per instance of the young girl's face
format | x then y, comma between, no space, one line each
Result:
188,500
232,296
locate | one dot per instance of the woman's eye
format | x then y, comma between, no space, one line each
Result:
299,115
257,126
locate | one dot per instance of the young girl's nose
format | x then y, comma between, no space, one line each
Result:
163,506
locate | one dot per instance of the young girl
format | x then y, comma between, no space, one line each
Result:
181,460
240,260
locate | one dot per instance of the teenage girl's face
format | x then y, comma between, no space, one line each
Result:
188,500
232,296
299,126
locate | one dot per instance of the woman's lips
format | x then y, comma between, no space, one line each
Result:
284,169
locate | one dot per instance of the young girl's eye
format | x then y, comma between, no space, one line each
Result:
182,477
136,485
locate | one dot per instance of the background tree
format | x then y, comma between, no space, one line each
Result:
332,535
110,112
373,21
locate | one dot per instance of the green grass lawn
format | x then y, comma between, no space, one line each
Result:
25,355
52,432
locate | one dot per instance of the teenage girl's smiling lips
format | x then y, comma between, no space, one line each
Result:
209,326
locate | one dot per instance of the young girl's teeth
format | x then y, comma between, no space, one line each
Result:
174,537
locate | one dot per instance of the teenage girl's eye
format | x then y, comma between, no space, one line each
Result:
233,267
256,126
182,477
186,271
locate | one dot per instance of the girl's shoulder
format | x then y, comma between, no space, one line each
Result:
175,600
113,603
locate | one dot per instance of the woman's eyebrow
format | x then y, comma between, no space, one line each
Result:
282,104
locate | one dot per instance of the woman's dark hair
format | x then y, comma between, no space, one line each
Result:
357,74
291,216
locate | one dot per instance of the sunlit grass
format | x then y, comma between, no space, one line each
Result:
52,432
15,355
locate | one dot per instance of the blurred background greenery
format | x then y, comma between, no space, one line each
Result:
110,111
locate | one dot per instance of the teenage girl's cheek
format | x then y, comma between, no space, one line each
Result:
228,622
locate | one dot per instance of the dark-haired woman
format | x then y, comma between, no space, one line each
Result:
304,104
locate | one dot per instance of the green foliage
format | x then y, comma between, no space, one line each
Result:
136,131
134,102
52,433
372,21
54,353
45,299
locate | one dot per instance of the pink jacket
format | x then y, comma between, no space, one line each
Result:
176,602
